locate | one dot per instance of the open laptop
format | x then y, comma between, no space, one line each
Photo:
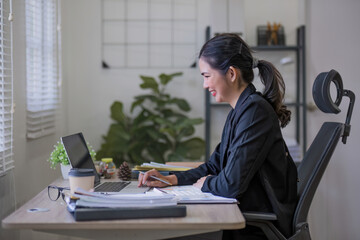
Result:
79,157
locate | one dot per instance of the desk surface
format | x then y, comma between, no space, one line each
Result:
201,217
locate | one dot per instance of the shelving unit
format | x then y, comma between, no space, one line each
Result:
300,99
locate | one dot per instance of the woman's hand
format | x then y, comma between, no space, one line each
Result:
146,180
200,182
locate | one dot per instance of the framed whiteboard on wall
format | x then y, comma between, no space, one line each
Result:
148,33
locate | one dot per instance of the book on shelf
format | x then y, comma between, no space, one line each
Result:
160,167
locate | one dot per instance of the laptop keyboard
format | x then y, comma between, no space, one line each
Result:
111,186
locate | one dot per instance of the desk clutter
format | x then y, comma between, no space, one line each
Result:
85,205
160,202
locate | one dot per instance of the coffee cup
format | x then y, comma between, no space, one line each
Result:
81,178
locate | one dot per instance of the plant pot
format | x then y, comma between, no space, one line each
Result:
65,169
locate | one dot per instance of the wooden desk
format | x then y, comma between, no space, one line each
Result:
201,218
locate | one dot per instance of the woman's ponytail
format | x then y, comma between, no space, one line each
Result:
274,89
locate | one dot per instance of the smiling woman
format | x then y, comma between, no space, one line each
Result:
251,163
223,87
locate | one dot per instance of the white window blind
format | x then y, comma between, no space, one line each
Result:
6,89
42,66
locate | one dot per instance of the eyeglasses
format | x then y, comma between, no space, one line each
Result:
54,192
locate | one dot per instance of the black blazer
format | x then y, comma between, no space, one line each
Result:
251,163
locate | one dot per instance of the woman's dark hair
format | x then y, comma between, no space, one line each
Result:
228,49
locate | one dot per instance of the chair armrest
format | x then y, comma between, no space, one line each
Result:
259,216
264,220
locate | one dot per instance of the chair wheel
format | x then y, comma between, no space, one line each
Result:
321,91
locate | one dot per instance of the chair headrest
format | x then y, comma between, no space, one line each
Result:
322,97
321,91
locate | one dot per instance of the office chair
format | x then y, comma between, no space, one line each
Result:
315,160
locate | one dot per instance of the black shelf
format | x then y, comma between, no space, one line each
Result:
300,101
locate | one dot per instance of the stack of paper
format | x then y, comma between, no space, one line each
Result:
191,194
150,199
87,206
159,167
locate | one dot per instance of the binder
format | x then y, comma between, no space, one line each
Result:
91,214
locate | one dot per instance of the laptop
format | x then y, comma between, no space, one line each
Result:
79,157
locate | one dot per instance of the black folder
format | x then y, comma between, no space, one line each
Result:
89,214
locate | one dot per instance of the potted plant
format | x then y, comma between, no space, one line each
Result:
159,129
58,156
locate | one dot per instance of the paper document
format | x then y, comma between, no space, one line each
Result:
191,194
149,199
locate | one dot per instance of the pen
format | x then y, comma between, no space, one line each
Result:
159,179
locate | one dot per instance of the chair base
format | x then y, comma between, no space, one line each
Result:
302,232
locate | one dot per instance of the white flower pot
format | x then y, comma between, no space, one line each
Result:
65,169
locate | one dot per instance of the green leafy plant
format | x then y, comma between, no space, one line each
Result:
58,155
159,130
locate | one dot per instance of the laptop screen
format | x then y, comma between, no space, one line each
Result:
78,153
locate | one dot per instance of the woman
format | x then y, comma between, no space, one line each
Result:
251,163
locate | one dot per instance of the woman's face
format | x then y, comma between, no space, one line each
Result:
217,84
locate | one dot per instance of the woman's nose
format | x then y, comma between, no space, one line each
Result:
205,85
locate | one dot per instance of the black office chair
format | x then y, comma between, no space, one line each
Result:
315,160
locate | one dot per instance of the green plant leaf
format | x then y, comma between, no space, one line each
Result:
156,131
140,134
181,103
165,96
142,117
154,134
117,131
167,112
59,156
195,148
163,121
185,132
149,82
136,155
186,122
117,112
135,104
147,96
169,131
174,157
166,78
156,151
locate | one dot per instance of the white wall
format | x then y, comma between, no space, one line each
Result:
332,42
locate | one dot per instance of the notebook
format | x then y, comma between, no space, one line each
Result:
79,157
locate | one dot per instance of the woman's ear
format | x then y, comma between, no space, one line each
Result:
234,73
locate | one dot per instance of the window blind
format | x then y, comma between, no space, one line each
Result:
6,88
42,67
